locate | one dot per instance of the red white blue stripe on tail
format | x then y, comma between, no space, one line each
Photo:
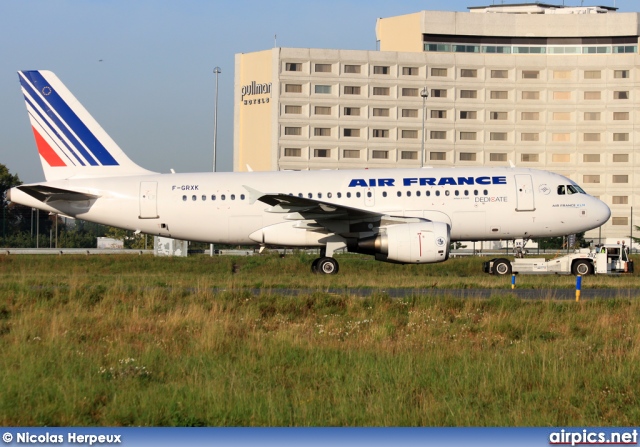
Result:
70,142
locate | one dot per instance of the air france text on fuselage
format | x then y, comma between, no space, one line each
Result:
429,181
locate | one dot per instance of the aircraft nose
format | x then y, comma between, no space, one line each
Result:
601,212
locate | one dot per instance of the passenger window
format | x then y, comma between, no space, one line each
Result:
418,193
561,190
368,193
399,194
319,195
384,193
428,193
339,195
348,195
475,192
486,193
213,197
447,192
193,198
438,193
329,195
233,197
222,197
457,193
310,195
358,195
408,193
242,196
184,198
204,198
299,194
466,192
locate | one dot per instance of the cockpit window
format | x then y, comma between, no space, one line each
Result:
579,189
561,190
571,189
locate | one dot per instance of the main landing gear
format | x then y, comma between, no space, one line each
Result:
326,263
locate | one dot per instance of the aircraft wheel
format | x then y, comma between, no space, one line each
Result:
583,268
327,266
501,267
314,266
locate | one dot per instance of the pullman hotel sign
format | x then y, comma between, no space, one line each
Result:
255,89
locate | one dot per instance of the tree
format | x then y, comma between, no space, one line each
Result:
7,181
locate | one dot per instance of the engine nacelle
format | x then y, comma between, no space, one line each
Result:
410,243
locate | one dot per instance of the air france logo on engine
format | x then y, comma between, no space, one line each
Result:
429,181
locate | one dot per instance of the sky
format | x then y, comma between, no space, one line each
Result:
144,68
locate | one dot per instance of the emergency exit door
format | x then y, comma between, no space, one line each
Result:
148,200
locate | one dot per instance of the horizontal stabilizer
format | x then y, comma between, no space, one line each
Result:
47,194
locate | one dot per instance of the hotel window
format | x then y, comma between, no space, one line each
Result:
497,156
560,137
620,158
561,116
531,158
351,132
592,74
409,113
351,90
410,71
467,156
321,131
498,136
499,94
409,133
561,96
592,116
292,152
530,95
468,94
293,66
293,109
323,89
591,158
591,136
438,72
592,95
468,135
438,135
620,221
380,112
499,74
380,155
409,92
468,73
590,179
321,110
620,116
352,68
620,95
380,133
530,116
293,130
293,88
621,74
620,137
527,136
438,93
381,70
468,114
620,179
498,115
440,156
381,91
560,158
322,68
409,155
620,200
562,74
351,153
352,111
322,153
438,114
530,74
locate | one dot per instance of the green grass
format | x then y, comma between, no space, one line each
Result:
129,340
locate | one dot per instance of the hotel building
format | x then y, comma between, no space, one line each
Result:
541,86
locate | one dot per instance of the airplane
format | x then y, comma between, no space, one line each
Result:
407,216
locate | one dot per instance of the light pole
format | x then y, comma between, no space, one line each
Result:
216,71
424,93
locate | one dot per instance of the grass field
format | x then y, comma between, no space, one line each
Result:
137,340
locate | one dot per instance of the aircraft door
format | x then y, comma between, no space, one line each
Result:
370,197
148,200
524,193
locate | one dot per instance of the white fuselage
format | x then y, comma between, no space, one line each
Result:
478,203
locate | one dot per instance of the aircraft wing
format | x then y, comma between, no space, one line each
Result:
47,194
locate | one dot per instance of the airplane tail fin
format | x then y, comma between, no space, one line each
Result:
70,142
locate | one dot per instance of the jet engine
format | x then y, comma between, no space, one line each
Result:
408,243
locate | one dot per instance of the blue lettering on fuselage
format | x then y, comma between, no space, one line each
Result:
430,181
